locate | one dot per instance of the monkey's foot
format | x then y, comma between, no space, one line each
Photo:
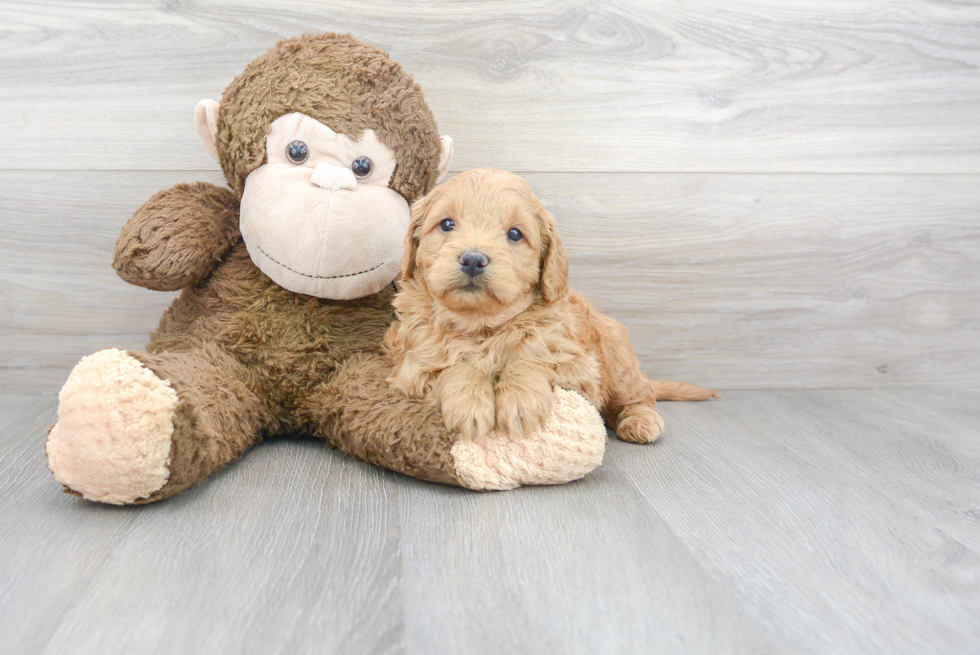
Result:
569,444
115,424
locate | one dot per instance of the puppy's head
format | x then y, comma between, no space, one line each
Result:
482,244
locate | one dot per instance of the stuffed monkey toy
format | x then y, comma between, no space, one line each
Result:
286,284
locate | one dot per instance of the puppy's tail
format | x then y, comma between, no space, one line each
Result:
669,390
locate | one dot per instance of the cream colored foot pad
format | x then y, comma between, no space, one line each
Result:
569,444
115,423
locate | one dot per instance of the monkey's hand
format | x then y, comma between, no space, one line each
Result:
524,397
177,237
466,398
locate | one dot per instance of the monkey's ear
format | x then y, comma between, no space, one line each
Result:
445,157
206,120
554,263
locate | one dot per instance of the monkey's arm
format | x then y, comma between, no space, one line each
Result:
177,237
359,412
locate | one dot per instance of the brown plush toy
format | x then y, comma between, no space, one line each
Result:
287,288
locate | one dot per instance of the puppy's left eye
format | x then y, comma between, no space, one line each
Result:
514,235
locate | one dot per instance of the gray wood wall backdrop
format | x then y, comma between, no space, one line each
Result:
768,193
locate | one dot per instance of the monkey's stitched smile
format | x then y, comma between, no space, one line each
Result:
320,277
319,215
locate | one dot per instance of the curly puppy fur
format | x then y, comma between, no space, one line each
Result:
489,345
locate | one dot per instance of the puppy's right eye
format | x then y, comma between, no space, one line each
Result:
297,152
447,225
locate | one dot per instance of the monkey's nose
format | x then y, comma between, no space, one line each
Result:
473,262
331,176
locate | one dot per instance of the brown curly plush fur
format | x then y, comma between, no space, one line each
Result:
342,82
248,358
488,348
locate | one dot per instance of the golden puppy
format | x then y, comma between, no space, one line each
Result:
487,325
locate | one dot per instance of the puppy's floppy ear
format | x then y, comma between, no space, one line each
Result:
554,261
419,211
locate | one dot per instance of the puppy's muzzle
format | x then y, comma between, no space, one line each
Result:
473,263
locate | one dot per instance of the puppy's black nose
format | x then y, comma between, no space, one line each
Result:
473,262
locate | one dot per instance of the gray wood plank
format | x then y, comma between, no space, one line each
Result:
584,568
544,86
770,521
292,550
298,540
789,280
52,549
843,521
747,281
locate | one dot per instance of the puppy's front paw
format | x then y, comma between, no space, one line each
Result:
469,410
639,424
523,405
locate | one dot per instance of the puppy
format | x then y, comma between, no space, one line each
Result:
487,326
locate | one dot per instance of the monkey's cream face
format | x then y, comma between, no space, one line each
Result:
318,218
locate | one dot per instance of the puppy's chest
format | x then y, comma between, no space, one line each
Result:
493,352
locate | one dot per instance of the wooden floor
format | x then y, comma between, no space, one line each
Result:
768,522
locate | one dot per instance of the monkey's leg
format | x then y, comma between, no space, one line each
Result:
136,428
358,412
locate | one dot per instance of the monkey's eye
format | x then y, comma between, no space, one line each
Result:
447,225
362,167
514,234
297,152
